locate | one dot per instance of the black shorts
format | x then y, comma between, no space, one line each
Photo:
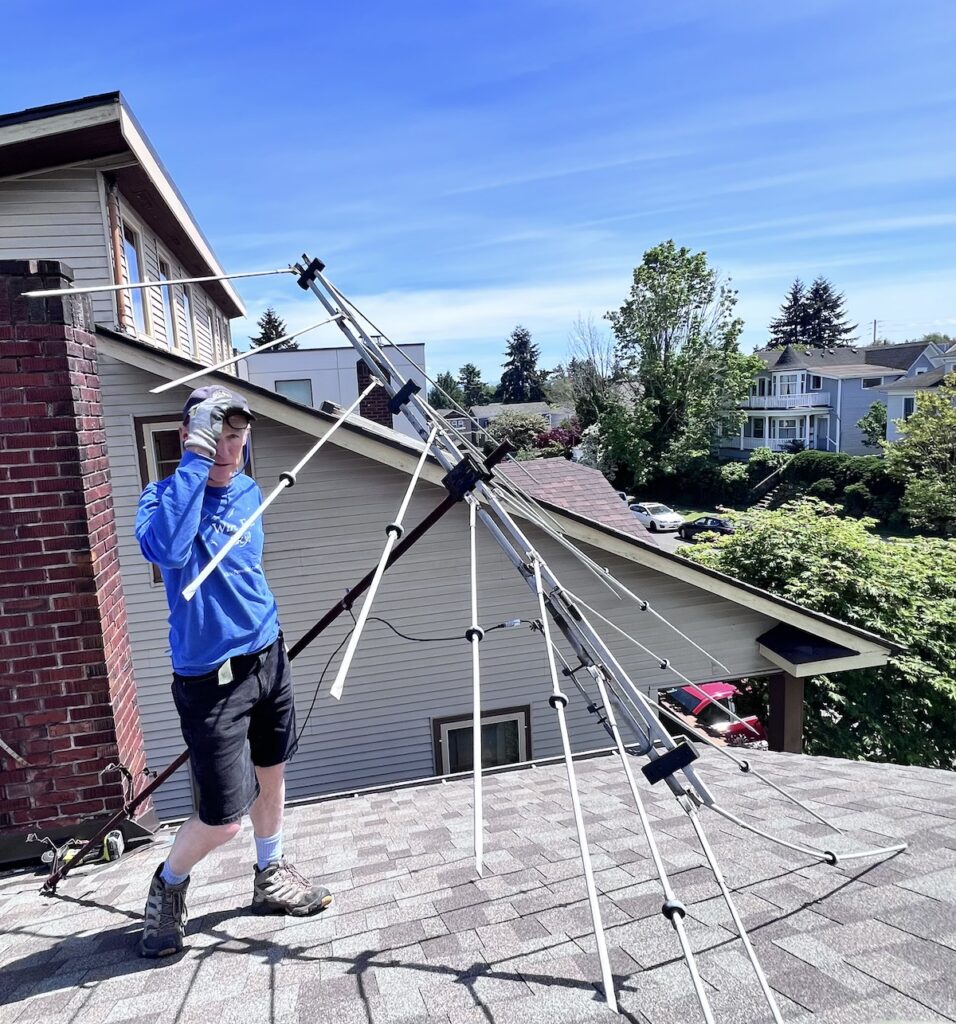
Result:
231,727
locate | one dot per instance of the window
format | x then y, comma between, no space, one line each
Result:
505,739
159,448
788,384
172,327
872,382
458,424
816,382
757,426
298,390
787,430
134,263
921,369
214,334
187,303
909,407
762,383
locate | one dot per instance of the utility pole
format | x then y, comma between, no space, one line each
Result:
874,332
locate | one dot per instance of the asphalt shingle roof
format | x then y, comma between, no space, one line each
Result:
414,935
577,488
867,357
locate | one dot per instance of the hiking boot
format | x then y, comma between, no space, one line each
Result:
164,918
280,889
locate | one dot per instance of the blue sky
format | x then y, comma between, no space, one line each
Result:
465,168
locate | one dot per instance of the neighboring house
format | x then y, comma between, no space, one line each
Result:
482,415
311,376
817,397
901,395
79,182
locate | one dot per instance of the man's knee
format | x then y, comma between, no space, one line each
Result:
220,834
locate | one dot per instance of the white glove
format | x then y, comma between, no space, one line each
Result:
205,423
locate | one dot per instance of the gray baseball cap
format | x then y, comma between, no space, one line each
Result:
234,403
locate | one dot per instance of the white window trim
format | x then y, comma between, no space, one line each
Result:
173,339
466,722
130,225
294,380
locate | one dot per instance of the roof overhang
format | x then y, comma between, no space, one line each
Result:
390,448
802,654
101,132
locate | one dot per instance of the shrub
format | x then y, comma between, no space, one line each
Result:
824,488
734,482
857,499
763,462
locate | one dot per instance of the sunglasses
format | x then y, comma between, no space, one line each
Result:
237,420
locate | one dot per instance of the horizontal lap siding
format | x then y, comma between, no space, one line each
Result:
321,537
59,215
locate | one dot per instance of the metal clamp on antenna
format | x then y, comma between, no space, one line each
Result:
402,396
678,757
307,275
464,477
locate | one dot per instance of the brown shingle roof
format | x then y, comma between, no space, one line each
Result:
577,488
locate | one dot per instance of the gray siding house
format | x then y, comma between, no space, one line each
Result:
402,698
901,395
79,182
817,397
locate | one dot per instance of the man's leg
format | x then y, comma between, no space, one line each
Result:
195,840
278,886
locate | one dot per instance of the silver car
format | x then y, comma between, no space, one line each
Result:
655,516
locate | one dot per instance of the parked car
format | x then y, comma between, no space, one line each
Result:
655,516
625,497
704,524
711,712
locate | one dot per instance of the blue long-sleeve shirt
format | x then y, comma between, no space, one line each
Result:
181,523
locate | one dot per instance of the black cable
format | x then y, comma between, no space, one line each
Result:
509,624
318,685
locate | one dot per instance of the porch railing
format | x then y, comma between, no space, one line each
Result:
809,400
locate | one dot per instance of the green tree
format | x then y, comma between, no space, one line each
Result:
923,460
521,381
873,425
790,327
904,590
814,317
473,389
445,381
521,428
272,326
677,345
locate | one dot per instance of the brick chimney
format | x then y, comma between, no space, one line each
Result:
67,703
374,406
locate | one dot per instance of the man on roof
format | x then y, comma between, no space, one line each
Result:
232,684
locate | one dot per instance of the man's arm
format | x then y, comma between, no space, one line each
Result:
167,521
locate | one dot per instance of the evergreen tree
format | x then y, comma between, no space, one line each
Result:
522,380
814,317
447,383
790,327
827,325
473,388
272,326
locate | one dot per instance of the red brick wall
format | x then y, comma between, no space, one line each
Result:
375,406
67,700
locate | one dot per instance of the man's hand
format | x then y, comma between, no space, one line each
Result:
205,423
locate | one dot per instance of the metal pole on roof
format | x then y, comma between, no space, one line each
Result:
394,530
559,702
673,909
159,389
286,479
474,636
49,293
665,756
